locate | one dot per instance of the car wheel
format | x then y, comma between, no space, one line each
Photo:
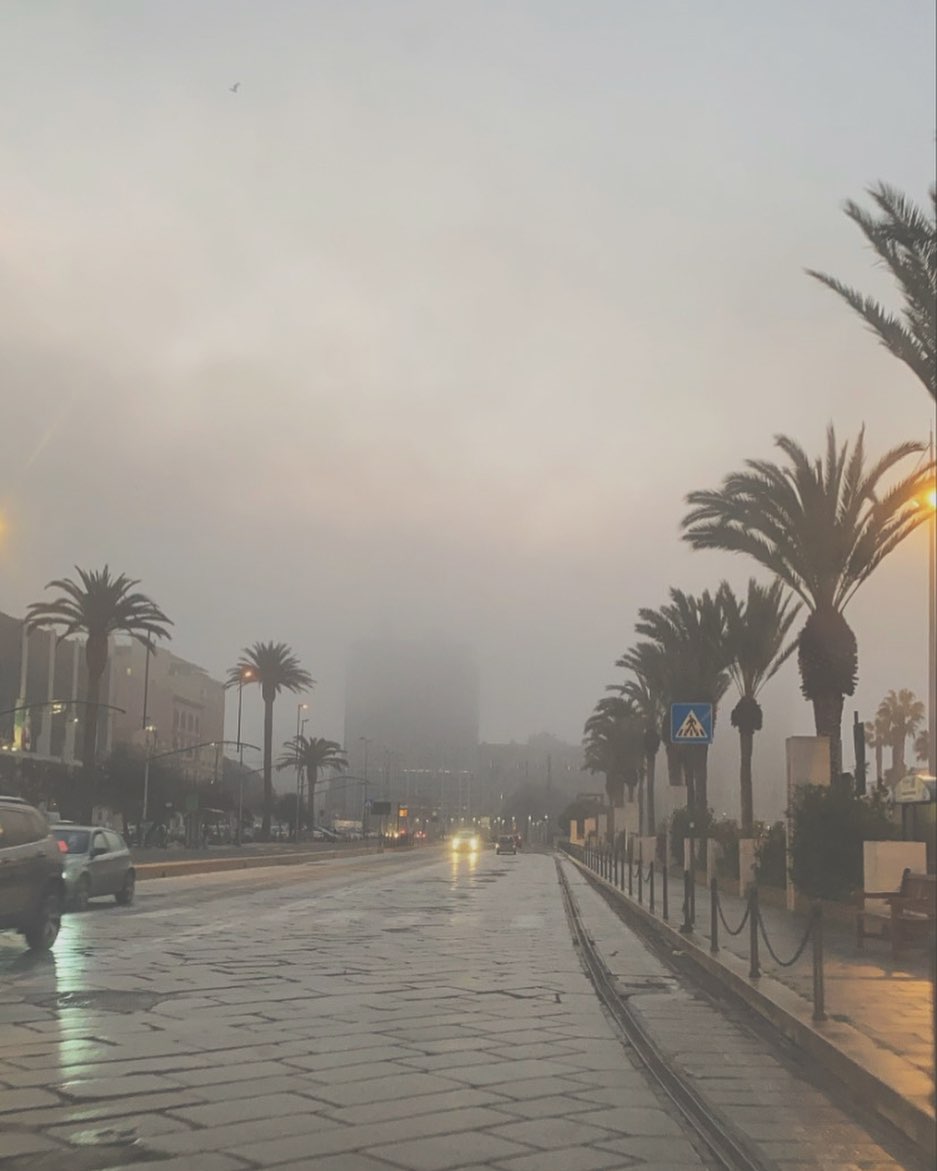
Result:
42,931
124,896
82,894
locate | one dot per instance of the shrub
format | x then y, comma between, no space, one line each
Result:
726,834
771,855
679,828
828,827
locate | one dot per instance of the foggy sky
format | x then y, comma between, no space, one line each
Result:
433,324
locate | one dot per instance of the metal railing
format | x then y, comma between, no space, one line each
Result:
620,869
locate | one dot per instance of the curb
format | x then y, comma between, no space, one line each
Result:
791,1016
150,870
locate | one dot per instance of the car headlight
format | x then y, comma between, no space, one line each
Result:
473,844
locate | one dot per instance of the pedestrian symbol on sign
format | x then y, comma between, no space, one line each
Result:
691,723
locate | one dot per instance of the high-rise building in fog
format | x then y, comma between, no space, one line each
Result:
411,720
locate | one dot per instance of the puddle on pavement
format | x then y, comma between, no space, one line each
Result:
103,1001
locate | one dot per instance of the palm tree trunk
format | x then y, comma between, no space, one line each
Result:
651,812
92,715
311,777
879,763
268,768
746,799
828,719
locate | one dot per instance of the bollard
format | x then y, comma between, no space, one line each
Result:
819,991
615,880
650,887
713,915
641,879
687,926
665,878
630,868
754,967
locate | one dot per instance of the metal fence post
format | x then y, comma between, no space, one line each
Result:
615,866
819,991
754,967
641,877
687,925
713,915
650,891
665,878
630,867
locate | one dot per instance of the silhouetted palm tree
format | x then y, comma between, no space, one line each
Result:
312,754
646,693
98,606
875,737
690,633
906,242
901,714
613,746
756,630
274,666
922,745
822,527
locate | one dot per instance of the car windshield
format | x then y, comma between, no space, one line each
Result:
75,840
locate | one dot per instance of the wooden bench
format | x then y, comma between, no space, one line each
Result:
912,912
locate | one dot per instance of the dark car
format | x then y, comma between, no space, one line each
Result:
32,890
506,845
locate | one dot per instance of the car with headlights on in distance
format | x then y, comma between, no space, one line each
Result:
465,841
506,845
97,862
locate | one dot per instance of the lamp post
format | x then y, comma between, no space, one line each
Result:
366,741
248,674
300,708
150,731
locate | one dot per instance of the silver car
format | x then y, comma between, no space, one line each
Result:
97,862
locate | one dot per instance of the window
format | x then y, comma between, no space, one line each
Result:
114,841
99,842
20,826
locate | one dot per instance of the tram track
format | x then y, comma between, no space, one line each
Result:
730,1149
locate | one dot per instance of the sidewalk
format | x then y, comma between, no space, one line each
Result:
878,1035
889,1001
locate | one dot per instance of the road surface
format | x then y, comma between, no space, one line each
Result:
414,1012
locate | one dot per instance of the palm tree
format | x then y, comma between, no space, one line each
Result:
690,634
922,745
876,737
647,695
906,242
98,606
313,754
756,630
822,527
901,714
613,746
274,666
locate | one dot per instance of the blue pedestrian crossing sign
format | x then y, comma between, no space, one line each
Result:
691,723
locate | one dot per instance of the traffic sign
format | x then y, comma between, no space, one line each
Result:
691,723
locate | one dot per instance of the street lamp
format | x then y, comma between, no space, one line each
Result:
300,708
245,674
366,741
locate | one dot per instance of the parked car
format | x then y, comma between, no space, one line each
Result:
506,845
32,890
97,862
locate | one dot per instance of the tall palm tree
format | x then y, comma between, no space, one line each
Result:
98,606
756,631
901,714
312,754
822,527
274,666
690,633
613,746
647,695
922,745
905,240
876,736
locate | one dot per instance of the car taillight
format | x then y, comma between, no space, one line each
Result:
63,848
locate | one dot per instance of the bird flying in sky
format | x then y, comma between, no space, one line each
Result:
235,87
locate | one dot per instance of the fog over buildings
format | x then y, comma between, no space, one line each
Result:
426,331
